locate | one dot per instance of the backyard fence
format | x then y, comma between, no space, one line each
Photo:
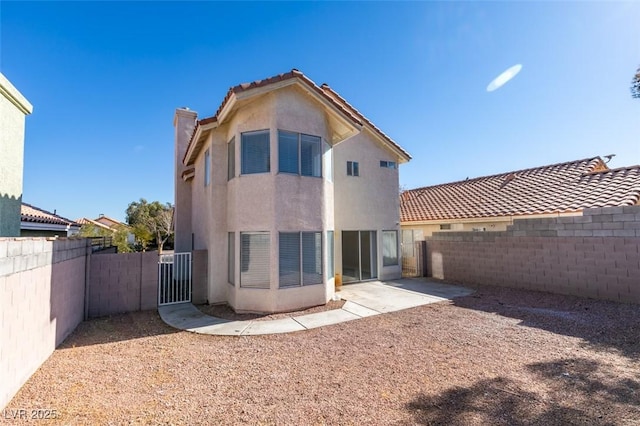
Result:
596,255
174,278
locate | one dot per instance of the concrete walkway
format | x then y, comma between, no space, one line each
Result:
362,300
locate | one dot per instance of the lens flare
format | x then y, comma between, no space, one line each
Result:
503,78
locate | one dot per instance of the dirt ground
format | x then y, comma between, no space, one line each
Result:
499,356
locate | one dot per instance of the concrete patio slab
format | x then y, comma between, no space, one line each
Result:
320,319
229,328
383,298
284,325
359,310
362,300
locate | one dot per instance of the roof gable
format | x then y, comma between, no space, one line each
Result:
557,188
351,119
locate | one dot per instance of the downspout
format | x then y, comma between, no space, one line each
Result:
87,276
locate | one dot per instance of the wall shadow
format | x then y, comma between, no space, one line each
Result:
603,325
68,304
117,328
577,397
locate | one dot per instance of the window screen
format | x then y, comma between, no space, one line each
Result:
330,254
310,156
299,154
389,248
231,159
207,168
300,258
232,258
288,152
311,258
353,168
255,152
254,259
289,259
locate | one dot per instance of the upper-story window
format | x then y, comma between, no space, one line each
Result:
207,168
389,164
255,152
353,168
299,153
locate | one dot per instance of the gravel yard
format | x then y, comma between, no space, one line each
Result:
499,356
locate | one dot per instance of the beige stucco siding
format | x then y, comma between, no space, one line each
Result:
273,202
13,108
369,201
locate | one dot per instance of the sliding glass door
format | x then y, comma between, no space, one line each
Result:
359,256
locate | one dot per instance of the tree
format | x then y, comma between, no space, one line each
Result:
119,235
635,85
151,220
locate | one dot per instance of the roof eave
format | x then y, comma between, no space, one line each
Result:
350,123
202,130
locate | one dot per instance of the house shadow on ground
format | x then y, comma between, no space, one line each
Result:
563,392
601,324
116,328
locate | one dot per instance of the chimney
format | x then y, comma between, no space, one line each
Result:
184,121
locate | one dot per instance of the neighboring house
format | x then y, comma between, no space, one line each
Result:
35,222
108,224
13,109
284,186
96,224
491,203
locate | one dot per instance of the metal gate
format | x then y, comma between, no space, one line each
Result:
174,278
413,253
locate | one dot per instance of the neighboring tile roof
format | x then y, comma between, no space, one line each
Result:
325,91
86,221
29,213
110,222
565,187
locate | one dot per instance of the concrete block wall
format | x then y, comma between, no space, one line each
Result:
121,283
42,292
594,255
602,222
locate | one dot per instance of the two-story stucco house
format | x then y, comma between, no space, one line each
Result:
289,189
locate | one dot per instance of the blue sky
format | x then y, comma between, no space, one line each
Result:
105,79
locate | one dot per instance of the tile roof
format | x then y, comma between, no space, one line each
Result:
29,213
325,91
110,222
86,221
557,188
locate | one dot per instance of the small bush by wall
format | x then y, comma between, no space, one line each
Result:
595,255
